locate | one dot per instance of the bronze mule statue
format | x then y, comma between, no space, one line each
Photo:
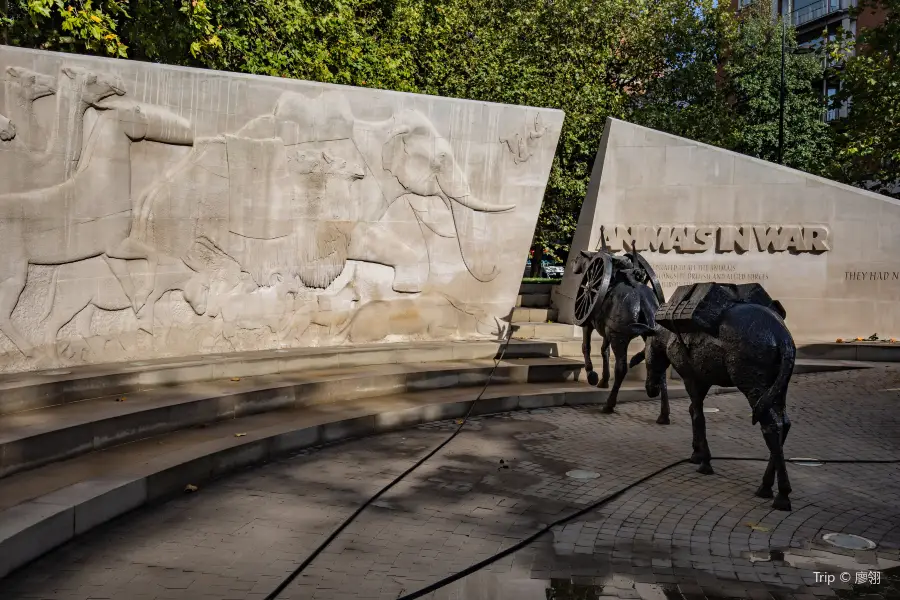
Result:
615,301
733,336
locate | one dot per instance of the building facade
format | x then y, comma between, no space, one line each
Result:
819,20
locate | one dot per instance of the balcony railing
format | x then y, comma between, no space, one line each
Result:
820,9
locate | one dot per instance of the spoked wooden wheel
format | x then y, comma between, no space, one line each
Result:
593,287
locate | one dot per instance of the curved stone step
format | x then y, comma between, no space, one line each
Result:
38,389
33,438
533,300
533,315
45,507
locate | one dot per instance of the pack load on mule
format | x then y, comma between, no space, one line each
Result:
699,306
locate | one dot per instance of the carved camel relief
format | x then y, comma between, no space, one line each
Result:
77,90
26,87
7,129
88,214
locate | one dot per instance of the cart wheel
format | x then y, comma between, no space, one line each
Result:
593,287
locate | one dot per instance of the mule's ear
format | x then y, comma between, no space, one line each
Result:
586,254
642,330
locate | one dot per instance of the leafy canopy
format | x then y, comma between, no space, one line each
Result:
869,137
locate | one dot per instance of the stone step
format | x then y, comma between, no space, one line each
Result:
854,351
537,288
38,389
533,315
533,301
43,508
533,330
34,438
536,348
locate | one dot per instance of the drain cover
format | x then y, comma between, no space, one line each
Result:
806,462
579,474
848,541
710,410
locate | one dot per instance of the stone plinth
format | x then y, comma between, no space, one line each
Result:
829,252
150,211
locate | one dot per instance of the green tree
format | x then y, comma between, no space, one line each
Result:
688,97
753,83
586,57
868,142
73,26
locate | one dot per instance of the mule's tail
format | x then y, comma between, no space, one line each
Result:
776,395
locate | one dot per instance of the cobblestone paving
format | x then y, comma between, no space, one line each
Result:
679,535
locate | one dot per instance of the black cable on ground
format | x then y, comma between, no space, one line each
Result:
281,587
605,500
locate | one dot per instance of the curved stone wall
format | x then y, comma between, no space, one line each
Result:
150,211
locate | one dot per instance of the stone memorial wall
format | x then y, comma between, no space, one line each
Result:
829,252
150,211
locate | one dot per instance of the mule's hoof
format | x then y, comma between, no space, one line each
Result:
764,492
781,503
662,420
604,383
607,409
706,469
593,378
696,458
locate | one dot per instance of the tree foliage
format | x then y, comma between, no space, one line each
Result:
753,74
869,137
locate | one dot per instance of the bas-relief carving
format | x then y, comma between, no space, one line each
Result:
254,238
7,129
520,145
50,152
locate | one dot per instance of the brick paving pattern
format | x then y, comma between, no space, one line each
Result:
679,535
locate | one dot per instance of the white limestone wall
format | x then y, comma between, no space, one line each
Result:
830,252
150,211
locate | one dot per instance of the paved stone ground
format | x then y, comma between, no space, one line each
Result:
680,535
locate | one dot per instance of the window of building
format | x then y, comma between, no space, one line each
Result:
832,113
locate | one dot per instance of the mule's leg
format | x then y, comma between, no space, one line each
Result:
775,427
701,455
663,418
782,500
586,332
604,353
620,350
